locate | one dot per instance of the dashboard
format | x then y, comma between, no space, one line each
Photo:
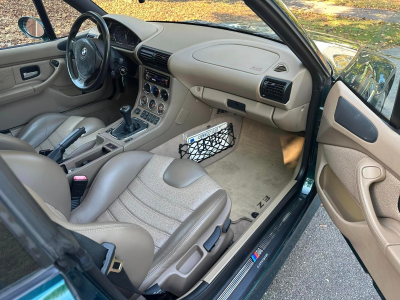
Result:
122,37
248,75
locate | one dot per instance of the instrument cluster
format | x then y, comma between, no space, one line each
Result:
122,37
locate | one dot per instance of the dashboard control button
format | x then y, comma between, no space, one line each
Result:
164,95
155,91
161,108
137,111
147,88
152,104
143,101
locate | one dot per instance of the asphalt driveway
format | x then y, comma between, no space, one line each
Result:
320,265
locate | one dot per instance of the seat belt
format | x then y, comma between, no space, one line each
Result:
103,257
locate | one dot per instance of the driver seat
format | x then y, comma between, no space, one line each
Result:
48,130
161,213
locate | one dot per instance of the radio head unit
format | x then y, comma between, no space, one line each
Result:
156,78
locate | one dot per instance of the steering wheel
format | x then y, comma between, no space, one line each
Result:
92,56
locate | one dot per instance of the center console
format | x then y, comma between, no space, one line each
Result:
147,114
163,109
154,96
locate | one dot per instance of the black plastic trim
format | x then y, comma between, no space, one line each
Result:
236,105
226,225
290,216
354,121
265,280
45,19
198,291
152,63
395,117
286,90
213,239
370,106
85,6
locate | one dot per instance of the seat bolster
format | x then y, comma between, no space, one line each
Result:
91,125
217,206
120,171
8,142
134,245
40,128
182,173
43,176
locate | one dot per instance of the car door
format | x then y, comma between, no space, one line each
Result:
33,74
358,181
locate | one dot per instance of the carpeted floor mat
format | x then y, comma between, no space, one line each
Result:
239,226
258,168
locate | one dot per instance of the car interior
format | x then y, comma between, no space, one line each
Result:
186,148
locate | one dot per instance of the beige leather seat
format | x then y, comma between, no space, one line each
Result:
158,211
48,130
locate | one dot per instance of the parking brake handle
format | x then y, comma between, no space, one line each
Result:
58,151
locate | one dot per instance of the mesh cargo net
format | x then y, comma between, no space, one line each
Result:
209,146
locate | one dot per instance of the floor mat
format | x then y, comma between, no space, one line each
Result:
258,168
239,226
171,147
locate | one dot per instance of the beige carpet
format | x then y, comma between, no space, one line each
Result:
171,147
258,168
240,226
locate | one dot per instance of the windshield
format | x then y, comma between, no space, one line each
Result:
234,15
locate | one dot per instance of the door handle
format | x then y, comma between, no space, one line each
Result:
29,72
30,75
369,172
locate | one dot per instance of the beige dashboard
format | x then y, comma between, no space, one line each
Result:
230,70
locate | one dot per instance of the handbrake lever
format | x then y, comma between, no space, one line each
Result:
58,151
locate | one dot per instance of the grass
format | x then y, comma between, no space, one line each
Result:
376,34
374,4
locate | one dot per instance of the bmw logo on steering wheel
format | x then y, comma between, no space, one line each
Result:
84,52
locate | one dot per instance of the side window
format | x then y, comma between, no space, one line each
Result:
363,50
10,13
62,16
15,261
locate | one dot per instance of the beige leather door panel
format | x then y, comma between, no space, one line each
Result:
358,183
52,91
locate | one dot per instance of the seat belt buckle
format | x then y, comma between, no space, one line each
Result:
45,152
78,188
111,264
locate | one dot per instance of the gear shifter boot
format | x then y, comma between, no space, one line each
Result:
129,125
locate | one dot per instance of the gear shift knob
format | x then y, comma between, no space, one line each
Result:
126,111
